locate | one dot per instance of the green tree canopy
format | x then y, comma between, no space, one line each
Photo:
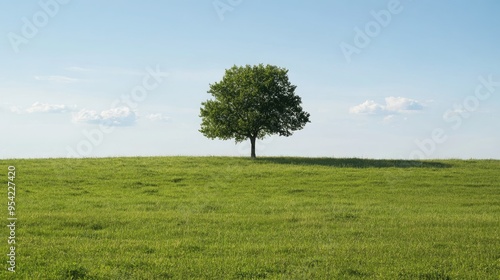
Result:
252,102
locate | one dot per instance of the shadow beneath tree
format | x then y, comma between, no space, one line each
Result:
355,162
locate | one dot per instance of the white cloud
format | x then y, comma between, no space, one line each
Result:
120,116
389,118
402,104
158,117
39,107
367,107
56,79
15,109
457,111
393,105
86,116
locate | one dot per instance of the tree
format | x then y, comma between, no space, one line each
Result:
252,102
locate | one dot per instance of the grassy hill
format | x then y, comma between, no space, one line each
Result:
236,218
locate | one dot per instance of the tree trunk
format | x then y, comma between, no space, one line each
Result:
252,141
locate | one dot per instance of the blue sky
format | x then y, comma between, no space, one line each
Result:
381,79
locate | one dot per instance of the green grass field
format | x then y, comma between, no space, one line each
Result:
270,218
